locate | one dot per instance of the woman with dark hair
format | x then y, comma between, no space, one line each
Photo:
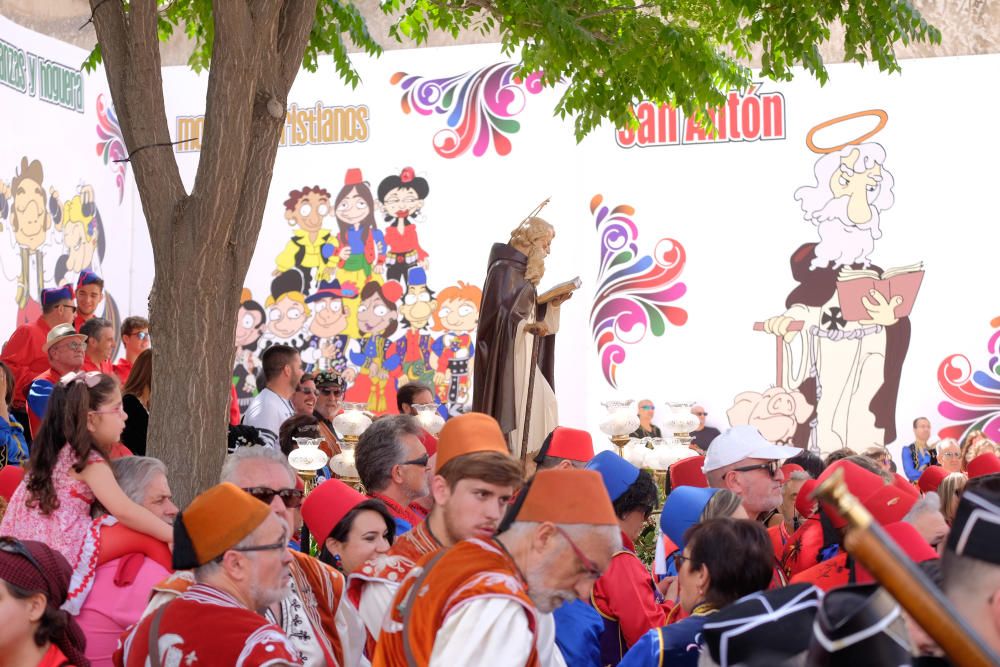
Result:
348,527
13,447
68,470
723,560
34,631
135,400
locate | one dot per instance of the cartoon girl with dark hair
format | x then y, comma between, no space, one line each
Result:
361,246
376,357
401,199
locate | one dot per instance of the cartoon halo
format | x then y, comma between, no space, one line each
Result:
882,116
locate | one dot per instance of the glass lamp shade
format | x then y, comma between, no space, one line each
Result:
429,419
679,420
343,464
620,420
307,457
666,452
635,453
353,421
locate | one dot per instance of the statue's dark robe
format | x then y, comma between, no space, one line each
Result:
508,299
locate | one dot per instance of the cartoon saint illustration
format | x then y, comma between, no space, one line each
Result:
375,356
415,345
287,312
250,326
33,215
852,315
306,209
329,344
401,199
454,351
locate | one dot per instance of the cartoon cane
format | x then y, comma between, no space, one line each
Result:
795,325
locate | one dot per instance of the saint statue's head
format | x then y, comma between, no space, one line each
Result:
852,188
533,237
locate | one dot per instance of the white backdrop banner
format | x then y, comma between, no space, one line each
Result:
818,266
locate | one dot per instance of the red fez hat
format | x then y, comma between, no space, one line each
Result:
931,478
406,175
353,177
860,482
687,472
984,464
567,443
890,504
904,484
429,442
911,543
392,290
804,502
10,477
326,505
789,468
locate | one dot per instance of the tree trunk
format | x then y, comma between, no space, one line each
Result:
203,241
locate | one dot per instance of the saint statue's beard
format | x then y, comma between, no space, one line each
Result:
843,243
536,265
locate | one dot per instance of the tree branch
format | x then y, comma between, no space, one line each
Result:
294,25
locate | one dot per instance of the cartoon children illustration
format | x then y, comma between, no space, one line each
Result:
401,199
249,329
287,312
33,216
376,357
458,315
328,344
414,346
306,209
83,237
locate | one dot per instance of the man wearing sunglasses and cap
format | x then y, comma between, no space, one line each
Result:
235,547
742,461
475,479
319,624
481,601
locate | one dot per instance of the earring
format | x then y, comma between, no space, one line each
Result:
336,562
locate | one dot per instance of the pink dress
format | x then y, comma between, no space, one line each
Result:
65,527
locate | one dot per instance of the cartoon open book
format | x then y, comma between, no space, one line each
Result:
853,284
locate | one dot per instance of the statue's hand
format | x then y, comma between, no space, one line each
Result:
879,310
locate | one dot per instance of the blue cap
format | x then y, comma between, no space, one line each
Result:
88,277
54,295
682,510
617,473
416,276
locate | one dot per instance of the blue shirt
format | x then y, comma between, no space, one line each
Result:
14,447
677,645
578,633
911,471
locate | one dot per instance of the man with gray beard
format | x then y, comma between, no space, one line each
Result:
848,370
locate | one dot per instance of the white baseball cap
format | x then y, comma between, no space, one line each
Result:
743,442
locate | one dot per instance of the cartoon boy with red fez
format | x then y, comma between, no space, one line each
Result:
415,346
376,357
89,294
306,209
328,345
401,199
457,315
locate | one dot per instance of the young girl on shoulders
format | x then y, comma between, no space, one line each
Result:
68,470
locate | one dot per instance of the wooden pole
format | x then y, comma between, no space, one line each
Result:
872,547
536,344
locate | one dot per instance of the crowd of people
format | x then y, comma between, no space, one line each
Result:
450,552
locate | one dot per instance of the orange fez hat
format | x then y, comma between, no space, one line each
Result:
468,433
568,496
327,505
214,522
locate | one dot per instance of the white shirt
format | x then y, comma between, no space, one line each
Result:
266,413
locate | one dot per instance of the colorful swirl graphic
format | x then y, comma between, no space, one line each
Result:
633,291
973,396
480,106
111,145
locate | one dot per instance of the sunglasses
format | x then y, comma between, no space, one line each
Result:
646,407
419,461
141,335
306,390
291,497
700,414
14,546
327,391
66,305
588,565
772,468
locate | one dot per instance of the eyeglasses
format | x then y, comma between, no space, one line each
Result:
772,468
75,346
306,390
949,455
700,414
291,497
327,391
419,461
588,565
680,559
14,546
66,305
283,544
